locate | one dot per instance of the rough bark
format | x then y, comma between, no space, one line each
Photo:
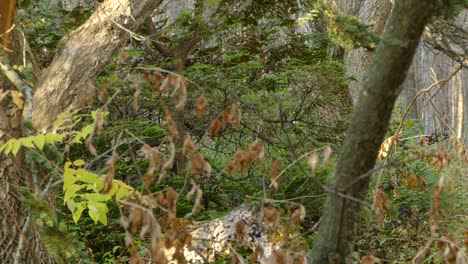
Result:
7,11
335,239
444,107
79,59
83,53
374,13
19,239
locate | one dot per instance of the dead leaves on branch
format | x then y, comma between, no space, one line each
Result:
381,204
246,157
229,116
314,160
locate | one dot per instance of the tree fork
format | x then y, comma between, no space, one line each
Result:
334,242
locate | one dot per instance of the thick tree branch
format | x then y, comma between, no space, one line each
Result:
82,54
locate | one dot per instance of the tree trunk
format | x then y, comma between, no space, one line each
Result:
19,239
444,107
335,239
373,12
79,59
82,54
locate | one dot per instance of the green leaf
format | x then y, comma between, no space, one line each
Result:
122,190
97,212
68,178
52,138
71,205
39,141
8,146
16,146
71,191
79,210
79,162
27,142
96,197
87,177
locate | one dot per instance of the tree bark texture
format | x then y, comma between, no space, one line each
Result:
19,239
83,53
79,59
374,13
334,242
444,107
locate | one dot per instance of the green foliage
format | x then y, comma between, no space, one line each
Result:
343,30
82,189
53,232
47,22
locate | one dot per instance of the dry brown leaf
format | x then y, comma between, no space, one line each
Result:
256,254
230,168
167,83
198,202
326,155
271,215
123,56
235,115
180,94
161,199
189,145
215,127
275,169
381,203
136,99
201,105
225,119
273,186
207,169
89,145
197,163
241,227
108,179
171,197
367,260
298,216
156,80
170,162
98,122
171,125
312,161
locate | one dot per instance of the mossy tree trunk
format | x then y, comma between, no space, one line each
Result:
334,242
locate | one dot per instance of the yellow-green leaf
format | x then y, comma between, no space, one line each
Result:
39,141
87,177
97,212
79,162
68,178
15,148
79,210
71,191
52,138
27,142
8,146
96,197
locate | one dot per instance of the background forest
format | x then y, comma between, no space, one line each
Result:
209,131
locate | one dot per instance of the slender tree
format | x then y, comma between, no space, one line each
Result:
335,239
